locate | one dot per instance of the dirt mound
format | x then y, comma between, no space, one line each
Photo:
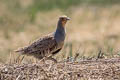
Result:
103,69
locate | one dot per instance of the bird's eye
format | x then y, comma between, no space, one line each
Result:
62,19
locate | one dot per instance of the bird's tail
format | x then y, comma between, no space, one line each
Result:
21,50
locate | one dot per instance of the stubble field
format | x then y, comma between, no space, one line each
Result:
93,32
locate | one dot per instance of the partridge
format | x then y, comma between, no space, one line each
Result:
47,45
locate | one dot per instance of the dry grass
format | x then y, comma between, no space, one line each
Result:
90,28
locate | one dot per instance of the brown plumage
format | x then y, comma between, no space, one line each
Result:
41,47
47,45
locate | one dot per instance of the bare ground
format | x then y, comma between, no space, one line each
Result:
102,69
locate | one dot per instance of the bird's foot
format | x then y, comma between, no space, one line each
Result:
50,58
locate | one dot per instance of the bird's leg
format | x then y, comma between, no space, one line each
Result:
43,59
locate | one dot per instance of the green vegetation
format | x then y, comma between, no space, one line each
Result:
46,5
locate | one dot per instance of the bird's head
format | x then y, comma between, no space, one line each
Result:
63,20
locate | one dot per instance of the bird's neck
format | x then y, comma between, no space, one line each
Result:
60,32
60,27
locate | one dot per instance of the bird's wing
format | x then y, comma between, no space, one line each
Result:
42,46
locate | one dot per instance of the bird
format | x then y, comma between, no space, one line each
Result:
48,45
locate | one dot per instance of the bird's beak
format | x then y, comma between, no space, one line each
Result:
68,18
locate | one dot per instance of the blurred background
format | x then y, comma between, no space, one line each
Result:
94,25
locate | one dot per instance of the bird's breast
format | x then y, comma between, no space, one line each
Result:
59,37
